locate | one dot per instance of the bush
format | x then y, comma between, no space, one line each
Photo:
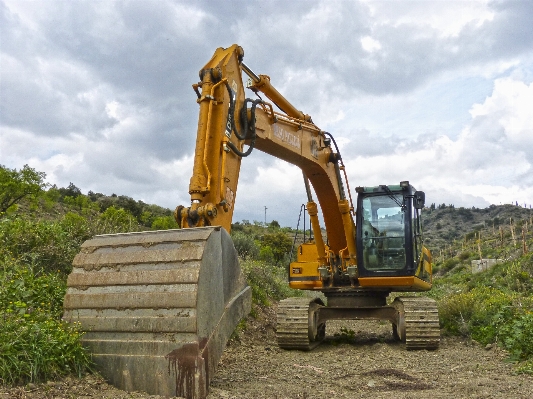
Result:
47,246
525,368
35,344
518,275
245,245
267,282
279,244
464,256
117,220
449,264
25,290
164,223
266,254
37,348
517,337
478,313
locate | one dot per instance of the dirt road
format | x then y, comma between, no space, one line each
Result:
358,360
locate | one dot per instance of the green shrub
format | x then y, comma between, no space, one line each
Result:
517,337
478,313
77,229
518,275
47,246
117,220
525,368
267,282
449,264
464,255
38,348
245,245
266,254
25,290
81,202
280,245
35,344
164,223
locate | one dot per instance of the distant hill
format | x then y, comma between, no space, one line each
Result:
444,224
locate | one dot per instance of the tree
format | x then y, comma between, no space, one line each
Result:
274,224
279,243
70,191
18,184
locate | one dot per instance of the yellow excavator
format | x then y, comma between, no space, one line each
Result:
158,307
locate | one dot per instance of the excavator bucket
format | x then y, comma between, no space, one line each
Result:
158,307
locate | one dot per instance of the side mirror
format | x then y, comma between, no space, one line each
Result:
419,199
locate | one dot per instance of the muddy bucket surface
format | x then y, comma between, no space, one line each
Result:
158,307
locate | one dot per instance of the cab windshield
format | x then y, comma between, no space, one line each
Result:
383,229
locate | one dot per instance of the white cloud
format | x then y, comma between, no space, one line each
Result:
509,107
489,162
447,18
369,44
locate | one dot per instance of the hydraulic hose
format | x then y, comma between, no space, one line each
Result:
248,130
339,159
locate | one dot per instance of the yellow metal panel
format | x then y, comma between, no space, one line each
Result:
402,283
306,285
307,252
304,275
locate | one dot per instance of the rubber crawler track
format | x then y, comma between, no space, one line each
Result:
292,330
421,317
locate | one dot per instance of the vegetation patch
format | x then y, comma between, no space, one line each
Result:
268,282
35,344
495,305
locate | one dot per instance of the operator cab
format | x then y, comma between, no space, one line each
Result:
388,230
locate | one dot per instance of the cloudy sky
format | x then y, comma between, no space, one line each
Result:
439,93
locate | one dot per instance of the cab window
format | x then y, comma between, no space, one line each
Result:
383,233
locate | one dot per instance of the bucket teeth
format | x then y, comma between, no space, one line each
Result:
164,301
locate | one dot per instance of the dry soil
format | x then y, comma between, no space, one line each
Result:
366,364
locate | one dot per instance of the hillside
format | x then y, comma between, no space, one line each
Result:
443,225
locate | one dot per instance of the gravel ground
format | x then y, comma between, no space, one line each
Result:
367,364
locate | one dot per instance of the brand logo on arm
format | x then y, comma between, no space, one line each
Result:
286,137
